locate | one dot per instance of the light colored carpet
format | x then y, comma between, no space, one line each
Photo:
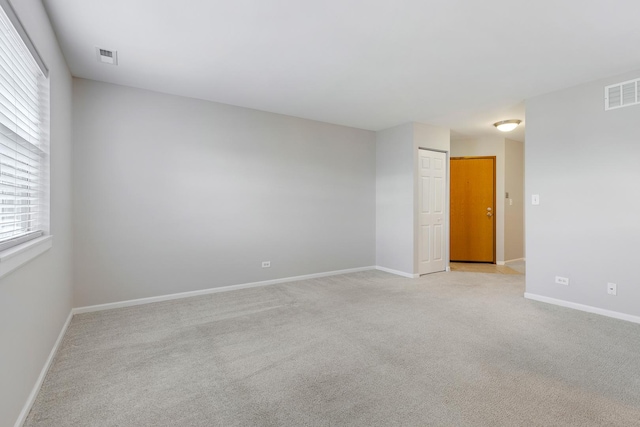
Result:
364,349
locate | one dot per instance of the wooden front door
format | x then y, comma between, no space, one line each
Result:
473,219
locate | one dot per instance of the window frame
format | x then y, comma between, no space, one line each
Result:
22,248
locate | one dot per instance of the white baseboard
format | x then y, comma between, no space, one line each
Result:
149,300
582,307
43,373
448,268
397,272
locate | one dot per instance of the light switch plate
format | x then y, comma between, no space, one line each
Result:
535,199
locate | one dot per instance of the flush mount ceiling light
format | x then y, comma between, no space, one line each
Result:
507,125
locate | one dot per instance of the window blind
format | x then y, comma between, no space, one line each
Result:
23,140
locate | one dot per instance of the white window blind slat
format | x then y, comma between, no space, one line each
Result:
14,49
13,79
12,71
21,154
13,141
23,84
15,170
20,33
13,108
29,163
23,137
8,90
19,123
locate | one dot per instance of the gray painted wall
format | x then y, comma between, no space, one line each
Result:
395,198
174,194
397,192
35,299
514,210
584,163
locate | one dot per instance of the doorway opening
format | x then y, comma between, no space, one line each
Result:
509,202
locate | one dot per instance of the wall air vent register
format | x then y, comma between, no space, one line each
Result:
622,94
107,56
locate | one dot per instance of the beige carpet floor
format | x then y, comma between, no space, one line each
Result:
363,349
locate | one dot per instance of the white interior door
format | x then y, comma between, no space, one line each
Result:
433,181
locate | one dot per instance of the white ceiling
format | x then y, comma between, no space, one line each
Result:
370,64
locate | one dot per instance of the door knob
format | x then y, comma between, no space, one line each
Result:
488,209
489,214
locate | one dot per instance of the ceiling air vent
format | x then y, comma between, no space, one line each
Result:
107,56
622,94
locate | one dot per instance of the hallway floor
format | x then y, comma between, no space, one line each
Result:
474,267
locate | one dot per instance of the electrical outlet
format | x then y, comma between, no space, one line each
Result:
266,264
562,280
612,289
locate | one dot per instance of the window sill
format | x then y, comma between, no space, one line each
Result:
14,257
